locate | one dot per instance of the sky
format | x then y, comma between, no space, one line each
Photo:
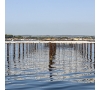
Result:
50,17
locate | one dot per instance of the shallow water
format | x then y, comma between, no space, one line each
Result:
49,67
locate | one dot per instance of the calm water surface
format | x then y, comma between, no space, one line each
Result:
49,67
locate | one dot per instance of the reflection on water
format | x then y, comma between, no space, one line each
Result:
35,65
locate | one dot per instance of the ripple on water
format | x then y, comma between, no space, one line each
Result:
65,68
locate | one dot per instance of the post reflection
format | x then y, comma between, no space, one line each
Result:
81,50
13,51
7,52
23,50
90,52
87,50
27,49
94,52
8,62
52,53
94,55
14,55
19,52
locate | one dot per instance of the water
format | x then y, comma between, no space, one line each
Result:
49,67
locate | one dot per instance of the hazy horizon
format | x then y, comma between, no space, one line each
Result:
49,35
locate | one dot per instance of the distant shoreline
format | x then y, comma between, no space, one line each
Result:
49,42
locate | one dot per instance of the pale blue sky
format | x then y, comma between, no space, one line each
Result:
50,17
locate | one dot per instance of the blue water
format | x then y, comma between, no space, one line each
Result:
33,69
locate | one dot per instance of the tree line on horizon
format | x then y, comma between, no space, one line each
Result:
36,37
